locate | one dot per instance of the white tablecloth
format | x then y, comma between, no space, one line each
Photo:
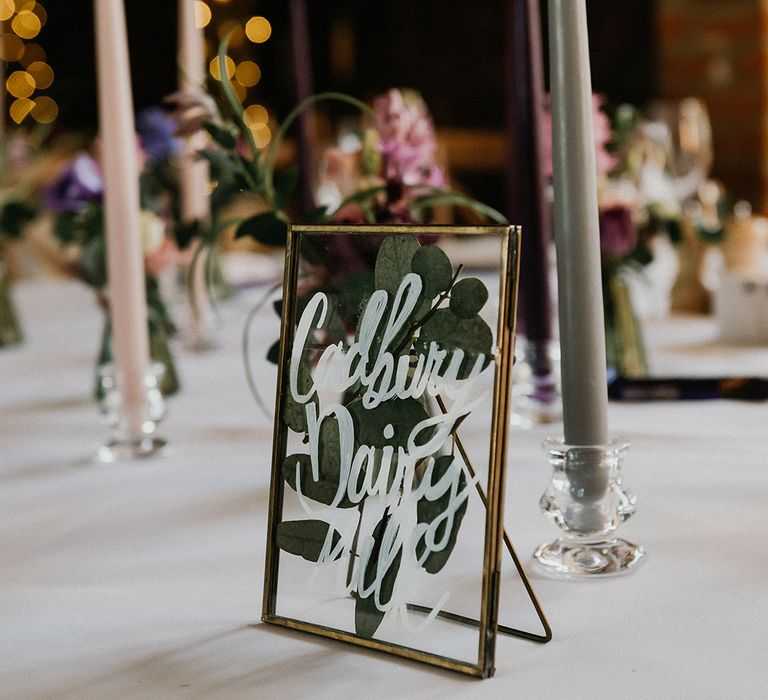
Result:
144,579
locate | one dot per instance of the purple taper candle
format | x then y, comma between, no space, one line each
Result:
302,69
526,178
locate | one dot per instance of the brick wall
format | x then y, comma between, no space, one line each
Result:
718,50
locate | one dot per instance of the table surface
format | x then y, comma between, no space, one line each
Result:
144,579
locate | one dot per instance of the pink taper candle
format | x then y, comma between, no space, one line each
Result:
125,262
577,233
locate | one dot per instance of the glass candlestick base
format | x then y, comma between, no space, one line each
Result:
124,444
125,449
536,398
587,500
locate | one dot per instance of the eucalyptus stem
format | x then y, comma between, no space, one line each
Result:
274,147
417,324
353,547
246,349
229,92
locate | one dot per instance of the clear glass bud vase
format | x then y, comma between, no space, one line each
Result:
587,500
125,443
536,399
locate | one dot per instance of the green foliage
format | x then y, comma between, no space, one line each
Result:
368,617
428,511
222,136
305,538
294,413
433,266
402,414
468,296
394,260
449,332
266,228
14,216
446,315
323,490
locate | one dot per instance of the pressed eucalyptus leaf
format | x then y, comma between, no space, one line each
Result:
294,413
322,491
393,261
433,266
368,617
428,511
356,290
329,468
472,335
468,296
402,414
306,538
370,425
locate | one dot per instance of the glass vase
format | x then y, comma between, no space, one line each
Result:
536,397
159,351
587,500
126,443
10,331
624,343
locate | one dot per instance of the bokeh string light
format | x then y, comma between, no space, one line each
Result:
28,73
22,22
219,19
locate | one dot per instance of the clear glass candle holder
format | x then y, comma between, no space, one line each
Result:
587,500
122,445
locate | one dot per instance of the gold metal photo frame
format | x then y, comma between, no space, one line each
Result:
383,517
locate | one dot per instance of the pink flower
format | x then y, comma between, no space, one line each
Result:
618,235
601,125
407,139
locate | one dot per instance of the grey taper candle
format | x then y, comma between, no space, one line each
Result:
577,235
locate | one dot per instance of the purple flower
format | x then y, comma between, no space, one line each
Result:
156,133
78,184
407,139
618,235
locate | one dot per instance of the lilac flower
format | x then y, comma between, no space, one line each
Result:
78,184
618,235
156,132
407,139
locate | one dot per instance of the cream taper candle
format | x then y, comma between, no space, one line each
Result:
194,202
577,234
125,263
193,174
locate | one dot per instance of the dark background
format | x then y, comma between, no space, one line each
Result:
449,50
